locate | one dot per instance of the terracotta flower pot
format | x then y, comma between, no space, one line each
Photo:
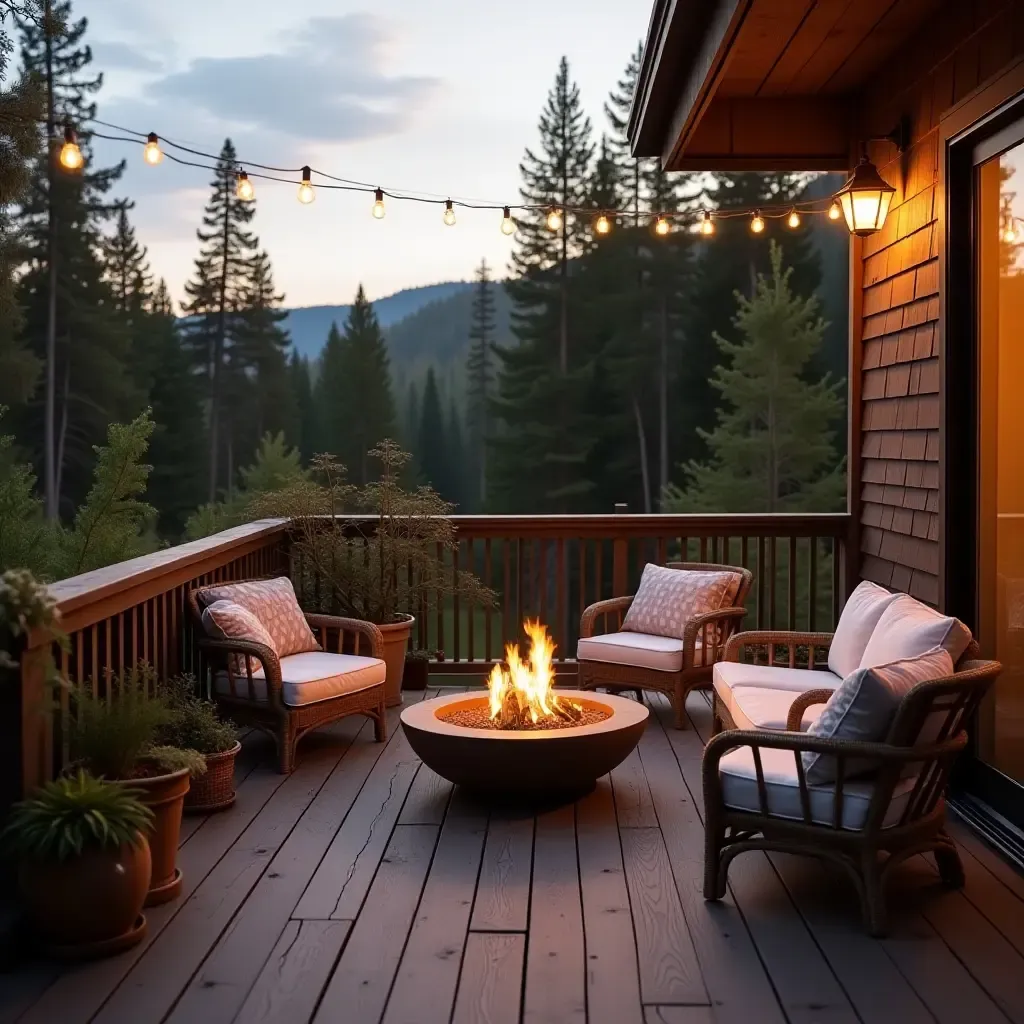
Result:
165,797
88,905
215,789
416,672
396,640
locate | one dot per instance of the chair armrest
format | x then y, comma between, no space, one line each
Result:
724,621
265,655
772,639
343,625
594,612
803,701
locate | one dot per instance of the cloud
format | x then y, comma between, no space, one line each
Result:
114,55
328,83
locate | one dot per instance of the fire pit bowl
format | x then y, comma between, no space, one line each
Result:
524,763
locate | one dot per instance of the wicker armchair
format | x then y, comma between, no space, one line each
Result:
704,642
898,809
286,723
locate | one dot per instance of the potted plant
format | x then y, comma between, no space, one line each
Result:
117,736
84,865
417,664
373,552
194,724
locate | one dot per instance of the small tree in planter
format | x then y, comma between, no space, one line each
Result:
376,552
417,664
195,725
117,736
84,864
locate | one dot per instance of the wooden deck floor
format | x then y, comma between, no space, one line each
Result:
361,889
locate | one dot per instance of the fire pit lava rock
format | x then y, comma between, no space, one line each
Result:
535,762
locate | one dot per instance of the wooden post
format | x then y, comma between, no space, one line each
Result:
36,719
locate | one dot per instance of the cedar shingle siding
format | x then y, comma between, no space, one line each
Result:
900,376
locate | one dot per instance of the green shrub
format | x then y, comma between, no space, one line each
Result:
194,722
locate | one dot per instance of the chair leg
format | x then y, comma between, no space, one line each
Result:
679,706
286,743
715,876
947,860
876,919
380,723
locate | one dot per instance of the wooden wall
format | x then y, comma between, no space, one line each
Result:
899,471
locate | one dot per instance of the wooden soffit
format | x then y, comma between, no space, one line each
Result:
762,84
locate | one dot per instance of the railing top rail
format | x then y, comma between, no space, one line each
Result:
99,585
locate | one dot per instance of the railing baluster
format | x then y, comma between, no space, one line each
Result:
488,612
439,616
561,618
812,588
759,575
791,624
772,575
837,594
456,606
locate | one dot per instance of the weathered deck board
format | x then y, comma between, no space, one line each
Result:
479,916
503,893
555,990
289,986
490,988
613,983
433,954
358,989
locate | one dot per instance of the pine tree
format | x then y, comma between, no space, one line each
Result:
303,436
355,391
216,302
329,382
432,447
456,482
125,267
773,448
86,381
479,380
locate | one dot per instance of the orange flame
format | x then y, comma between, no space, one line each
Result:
531,680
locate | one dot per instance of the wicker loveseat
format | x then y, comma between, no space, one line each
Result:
289,696
885,795
625,660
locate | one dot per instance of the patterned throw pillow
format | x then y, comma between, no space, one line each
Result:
273,602
669,598
225,620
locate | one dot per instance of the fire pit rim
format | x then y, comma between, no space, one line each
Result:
624,713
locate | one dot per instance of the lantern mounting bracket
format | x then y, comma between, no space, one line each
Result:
899,136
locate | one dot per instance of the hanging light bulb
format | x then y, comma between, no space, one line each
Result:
707,225
757,223
662,225
835,211
449,213
306,191
243,187
602,224
378,204
1009,232
70,155
508,225
151,152
554,219
793,220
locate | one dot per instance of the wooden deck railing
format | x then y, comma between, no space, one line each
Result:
549,567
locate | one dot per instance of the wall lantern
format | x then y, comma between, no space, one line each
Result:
865,199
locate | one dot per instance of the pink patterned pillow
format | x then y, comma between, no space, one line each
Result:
225,620
669,598
273,602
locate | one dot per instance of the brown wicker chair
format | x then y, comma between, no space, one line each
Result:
704,640
905,797
285,723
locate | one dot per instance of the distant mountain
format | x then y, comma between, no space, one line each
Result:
309,325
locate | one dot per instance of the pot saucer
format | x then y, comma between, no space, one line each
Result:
102,948
166,892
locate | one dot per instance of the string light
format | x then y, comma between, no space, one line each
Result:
757,223
793,220
151,152
835,211
661,225
70,155
508,225
306,191
243,187
707,225
554,219
602,224
378,204
1009,232
449,213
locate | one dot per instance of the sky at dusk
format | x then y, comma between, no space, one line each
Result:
436,96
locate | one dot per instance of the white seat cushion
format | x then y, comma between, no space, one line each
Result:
739,790
860,616
641,650
757,707
311,677
773,677
907,629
